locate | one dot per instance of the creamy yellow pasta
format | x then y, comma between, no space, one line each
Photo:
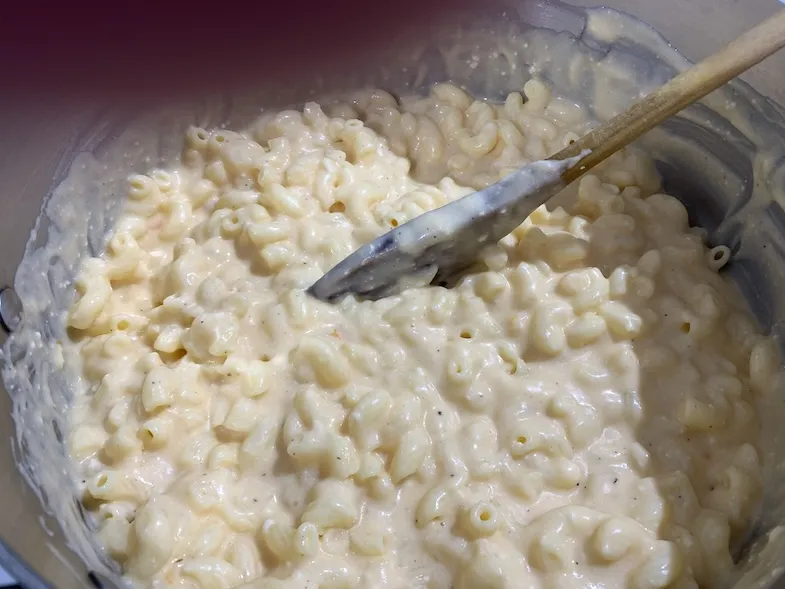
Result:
580,413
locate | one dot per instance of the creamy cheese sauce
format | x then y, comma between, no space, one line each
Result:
580,412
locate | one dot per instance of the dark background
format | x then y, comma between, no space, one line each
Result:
148,47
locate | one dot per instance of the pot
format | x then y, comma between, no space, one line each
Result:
63,164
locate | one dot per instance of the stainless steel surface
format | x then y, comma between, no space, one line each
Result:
33,155
40,138
698,28
11,312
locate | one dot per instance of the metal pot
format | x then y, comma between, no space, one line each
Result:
724,158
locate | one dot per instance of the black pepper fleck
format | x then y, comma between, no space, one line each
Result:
91,576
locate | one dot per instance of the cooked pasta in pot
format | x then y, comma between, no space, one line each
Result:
580,412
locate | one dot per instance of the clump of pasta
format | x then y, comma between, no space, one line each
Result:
579,410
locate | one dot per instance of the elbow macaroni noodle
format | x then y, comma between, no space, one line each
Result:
578,412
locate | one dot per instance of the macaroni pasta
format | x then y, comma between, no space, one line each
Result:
580,411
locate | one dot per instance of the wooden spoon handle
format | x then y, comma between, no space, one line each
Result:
686,88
